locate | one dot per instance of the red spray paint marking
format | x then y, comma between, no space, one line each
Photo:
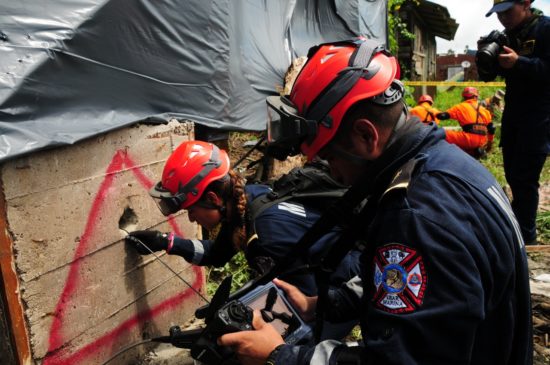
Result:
55,357
61,358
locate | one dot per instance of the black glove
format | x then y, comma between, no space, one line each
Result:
155,240
443,116
491,129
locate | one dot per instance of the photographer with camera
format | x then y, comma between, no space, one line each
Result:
444,276
522,56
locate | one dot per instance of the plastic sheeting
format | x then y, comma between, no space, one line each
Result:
72,69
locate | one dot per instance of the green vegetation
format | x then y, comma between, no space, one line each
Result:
493,162
236,267
397,24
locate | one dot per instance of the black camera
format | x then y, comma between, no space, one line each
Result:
489,47
232,317
236,315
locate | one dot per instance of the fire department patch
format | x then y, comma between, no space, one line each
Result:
399,279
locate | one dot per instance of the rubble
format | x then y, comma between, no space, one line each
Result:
539,267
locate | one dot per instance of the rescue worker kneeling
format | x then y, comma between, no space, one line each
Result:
476,136
425,110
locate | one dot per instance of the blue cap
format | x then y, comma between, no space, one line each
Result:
500,6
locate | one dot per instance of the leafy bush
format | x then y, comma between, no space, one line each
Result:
237,267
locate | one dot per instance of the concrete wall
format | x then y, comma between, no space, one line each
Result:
84,294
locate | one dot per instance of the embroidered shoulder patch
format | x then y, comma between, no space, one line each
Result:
399,279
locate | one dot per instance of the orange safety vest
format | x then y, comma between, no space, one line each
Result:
425,112
472,116
473,119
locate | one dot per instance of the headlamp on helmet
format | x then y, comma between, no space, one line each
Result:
286,130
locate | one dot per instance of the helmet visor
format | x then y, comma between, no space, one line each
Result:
285,128
166,201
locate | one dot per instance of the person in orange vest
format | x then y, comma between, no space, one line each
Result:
476,136
424,110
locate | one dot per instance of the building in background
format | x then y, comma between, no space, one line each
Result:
418,56
457,67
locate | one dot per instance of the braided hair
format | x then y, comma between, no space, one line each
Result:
231,189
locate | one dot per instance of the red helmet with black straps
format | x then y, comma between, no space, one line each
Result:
470,92
336,76
425,98
187,173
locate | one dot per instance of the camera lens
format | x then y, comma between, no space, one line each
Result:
486,60
489,52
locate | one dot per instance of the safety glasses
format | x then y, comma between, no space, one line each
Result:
166,202
286,130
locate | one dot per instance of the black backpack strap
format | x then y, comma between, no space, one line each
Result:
309,181
476,110
263,202
428,114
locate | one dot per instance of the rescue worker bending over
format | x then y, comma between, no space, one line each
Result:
425,110
477,134
197,178
444,276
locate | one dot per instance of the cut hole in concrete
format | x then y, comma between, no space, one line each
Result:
128,221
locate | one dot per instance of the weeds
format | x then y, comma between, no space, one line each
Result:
237,267
543,226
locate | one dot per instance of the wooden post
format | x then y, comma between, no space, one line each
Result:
538,248
9,290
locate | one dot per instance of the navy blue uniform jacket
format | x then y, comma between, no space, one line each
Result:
526,117
278,229
445,277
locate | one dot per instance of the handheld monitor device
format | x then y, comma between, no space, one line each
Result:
236,315
275,308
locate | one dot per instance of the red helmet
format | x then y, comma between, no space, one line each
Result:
470,92
187,173
336,76
425,98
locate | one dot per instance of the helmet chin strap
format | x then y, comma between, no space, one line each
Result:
363,162
400,123
354,159
225,197
209,205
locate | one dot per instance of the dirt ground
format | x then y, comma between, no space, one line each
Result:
539,260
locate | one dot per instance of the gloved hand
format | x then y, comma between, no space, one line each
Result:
443,116
155,240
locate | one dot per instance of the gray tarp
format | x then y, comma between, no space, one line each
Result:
71,69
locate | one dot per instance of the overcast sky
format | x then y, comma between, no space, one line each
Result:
470,15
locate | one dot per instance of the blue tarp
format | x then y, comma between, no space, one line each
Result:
72,69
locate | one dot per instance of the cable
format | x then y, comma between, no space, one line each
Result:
131,346
168,267
249,152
